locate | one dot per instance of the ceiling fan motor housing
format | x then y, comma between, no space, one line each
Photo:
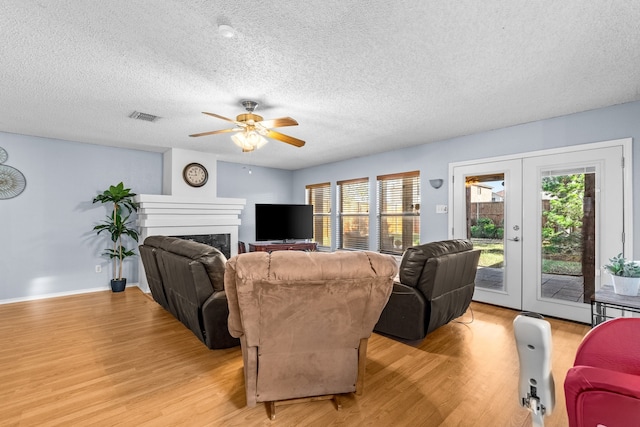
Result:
248,116
249,105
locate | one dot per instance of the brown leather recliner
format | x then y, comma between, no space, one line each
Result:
437,281
303,319
187,279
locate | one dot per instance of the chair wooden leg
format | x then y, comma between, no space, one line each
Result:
271,406
362,361
337,399
272,410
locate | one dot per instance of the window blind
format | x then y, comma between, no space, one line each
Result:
319,195
398,212
353,220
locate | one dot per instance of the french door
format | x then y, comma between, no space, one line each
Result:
545,224
487,208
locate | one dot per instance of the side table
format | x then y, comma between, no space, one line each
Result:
605,299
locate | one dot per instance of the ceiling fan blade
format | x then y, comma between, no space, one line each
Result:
219,117
278,123
217,131
285,138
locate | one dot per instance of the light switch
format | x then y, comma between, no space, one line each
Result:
441,209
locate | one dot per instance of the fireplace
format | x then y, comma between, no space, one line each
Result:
222,242
210,220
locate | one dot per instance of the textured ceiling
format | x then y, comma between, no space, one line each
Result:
359,78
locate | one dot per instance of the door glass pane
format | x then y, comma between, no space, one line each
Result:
568,235
485,227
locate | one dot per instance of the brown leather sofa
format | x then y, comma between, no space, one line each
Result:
187,279
437,281
303,319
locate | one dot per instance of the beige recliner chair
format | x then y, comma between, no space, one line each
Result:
303,319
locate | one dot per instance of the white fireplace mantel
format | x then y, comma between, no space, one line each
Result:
156,210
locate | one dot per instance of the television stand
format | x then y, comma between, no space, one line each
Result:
291,246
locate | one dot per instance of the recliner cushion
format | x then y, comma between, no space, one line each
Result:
211,258
156,241
415,257
305,277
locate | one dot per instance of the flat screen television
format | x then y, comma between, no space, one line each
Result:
284,222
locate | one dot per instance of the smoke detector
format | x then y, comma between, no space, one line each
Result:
226,31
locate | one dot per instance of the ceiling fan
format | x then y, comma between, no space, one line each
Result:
252,129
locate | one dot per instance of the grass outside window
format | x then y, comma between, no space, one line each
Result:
492,256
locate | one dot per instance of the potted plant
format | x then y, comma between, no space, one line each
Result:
118,225
625,275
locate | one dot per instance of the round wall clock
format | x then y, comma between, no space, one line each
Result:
3,155
12,182
195,174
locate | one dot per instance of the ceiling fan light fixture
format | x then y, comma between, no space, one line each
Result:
253,129
249,141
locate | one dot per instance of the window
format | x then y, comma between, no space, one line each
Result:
353,220
319,195
399,212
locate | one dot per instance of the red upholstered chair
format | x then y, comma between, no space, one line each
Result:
603,386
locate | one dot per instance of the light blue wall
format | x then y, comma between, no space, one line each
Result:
46,241
47,245
432,160
257,185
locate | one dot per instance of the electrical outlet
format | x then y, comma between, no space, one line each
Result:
441,209
98,269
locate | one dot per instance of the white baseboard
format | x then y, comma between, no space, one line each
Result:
62,294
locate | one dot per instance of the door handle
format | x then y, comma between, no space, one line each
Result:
515,239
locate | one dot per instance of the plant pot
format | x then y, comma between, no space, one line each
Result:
626,285
118,285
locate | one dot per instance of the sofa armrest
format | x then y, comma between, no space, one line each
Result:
405,313
601,396
215,314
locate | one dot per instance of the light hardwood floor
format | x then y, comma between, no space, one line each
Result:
120,359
